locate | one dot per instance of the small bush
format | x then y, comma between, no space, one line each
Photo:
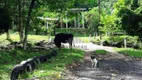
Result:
130,52
102,52
118,41
79,32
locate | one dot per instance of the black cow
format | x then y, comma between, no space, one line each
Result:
63,38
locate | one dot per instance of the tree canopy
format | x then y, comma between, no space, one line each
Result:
108,17
130,16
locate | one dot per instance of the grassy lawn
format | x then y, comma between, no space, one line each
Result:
101,51
85,39
33,38
52,68
130,52
15,37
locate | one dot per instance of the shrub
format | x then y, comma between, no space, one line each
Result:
103,52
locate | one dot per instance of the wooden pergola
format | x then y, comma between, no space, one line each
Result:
76,19
47,20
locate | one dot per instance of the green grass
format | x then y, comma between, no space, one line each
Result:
101,51
11,58
77,32
53,68
117,38
85,39
130,52
32,38
15,37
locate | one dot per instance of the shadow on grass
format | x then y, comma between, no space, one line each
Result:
52,67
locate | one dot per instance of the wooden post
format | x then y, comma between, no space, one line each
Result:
47,25
125,43
82,19
78,21
66,21
101,41
90,39
7,35
75,22
61,23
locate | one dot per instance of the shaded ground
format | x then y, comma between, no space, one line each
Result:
112,66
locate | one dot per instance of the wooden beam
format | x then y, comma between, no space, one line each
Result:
49,19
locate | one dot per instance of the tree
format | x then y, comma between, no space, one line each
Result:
27,24
107,17
92,20
130,17
54,5
6,17
5,20
21,12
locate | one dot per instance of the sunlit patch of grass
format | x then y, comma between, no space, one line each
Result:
85,39
55,66
101,51
15,37
130,52
52,68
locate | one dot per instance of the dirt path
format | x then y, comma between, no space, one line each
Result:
112,66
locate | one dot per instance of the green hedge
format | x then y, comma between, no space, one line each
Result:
132,41
79,32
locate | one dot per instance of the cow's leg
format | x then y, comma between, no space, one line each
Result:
57,43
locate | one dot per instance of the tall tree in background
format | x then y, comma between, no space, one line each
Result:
92,20
5,18
54,5
21,12
106,17
27,24
130,16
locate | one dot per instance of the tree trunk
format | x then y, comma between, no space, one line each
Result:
75,22
61,22
78,21
7,7
125,43
54,31
83,20
66,22
7,35
27,24
99,8
20,22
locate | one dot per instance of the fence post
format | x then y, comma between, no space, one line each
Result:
101,41
125,43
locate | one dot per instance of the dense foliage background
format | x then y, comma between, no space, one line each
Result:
103,17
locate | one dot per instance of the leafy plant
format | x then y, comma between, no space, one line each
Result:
130,52
129,16
103,52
